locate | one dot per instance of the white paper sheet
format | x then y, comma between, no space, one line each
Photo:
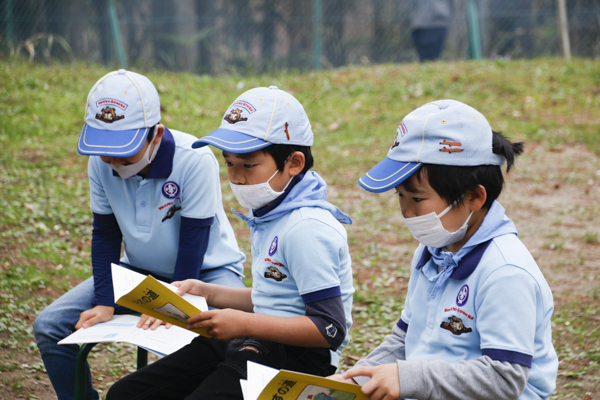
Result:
259,377
122,328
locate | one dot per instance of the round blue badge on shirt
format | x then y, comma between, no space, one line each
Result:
463,296
170,190
273,247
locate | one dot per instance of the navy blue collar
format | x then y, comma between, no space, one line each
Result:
466,266
266,209
162,165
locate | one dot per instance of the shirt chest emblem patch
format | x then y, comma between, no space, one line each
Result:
463,296
456,326
170,190
274,273
273,247
175,206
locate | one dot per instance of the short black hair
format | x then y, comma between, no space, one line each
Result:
452,182
281,152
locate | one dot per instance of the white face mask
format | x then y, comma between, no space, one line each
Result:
428,229
127,171
256,196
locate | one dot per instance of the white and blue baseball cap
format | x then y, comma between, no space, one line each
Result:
444,132
121,108
259,118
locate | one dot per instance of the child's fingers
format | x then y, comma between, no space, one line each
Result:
358,371
203,316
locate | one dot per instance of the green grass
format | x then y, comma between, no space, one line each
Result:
45,220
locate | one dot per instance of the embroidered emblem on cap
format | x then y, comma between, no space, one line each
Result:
235,116
449,149
112,102
273,247
455,326
287,133
108,115
331,331
170,190
274,273
463,296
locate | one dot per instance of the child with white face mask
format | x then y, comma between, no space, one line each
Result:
476,321
151,194
297,314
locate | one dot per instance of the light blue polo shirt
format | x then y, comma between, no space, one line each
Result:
300,253
183,177
496,303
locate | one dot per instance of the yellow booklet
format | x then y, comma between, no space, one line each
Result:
149,296
265,383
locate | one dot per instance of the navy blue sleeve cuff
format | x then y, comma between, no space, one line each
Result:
197,222
330,318
321,295
510,356
402,325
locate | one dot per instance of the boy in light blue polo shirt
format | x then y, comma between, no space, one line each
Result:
476,321
297,314
150,190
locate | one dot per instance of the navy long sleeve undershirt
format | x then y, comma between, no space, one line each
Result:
106,249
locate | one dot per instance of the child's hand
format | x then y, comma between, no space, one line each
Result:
191,286
221,324
384,383
340,378
147,321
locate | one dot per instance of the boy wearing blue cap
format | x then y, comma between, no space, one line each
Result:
476,321
150,190
296,316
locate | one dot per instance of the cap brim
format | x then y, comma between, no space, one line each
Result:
232,141
387,174
98,142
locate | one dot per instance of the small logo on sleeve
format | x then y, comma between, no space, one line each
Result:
455,326
331,331
463,296
170,190
273,247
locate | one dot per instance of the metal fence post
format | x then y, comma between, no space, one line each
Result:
563,25
8,21
317,20
116,33
474,37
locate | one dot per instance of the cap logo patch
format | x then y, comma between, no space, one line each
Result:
402,128
287,133
463,296
244,104
273,247
111,102
170,190
449,149
235,116
455,326
108,115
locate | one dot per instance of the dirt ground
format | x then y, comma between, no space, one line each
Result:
553,197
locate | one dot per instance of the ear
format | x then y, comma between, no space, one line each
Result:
159,133
476,198
295,164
